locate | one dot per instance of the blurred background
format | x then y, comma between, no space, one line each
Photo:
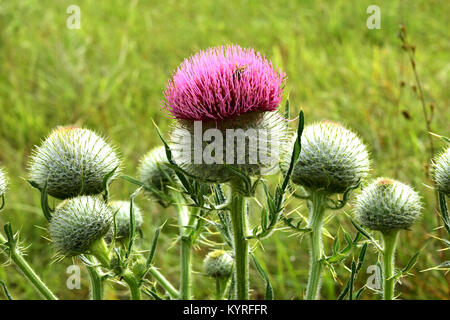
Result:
110,74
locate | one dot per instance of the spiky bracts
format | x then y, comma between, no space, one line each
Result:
121,209
223,82
3,182
78,223
154,172
250,143
72,161
387,205
441,172
332,158
218,264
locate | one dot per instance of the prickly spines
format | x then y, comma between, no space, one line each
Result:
259,155
154,172
72,161
77,223
387,205
332,158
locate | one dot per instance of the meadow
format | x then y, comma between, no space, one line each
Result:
110,74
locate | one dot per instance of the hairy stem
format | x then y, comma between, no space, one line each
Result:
133,284
317,213
240,244
390,242
29,273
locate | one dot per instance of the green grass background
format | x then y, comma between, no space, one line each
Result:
110,74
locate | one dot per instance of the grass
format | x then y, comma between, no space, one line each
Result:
110,74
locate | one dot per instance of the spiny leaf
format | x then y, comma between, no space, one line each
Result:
263,273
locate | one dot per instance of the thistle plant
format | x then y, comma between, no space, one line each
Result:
73,161
441,177
218,265
227,90
333,160
388,206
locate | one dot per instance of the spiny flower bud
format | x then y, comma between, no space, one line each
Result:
218,264
332,158
441,173
78,223
121,209
3,182
250,143
153,170
72,161
387,205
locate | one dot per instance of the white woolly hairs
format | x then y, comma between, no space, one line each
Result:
72,161
387,204
332,158
77,223
153,171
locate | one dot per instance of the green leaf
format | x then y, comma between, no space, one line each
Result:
5,289
444,211
296,151
154,244
265,276
411,263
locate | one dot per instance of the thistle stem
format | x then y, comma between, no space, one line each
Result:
317,213
240,244
29,273
164,283
186,219
97,289
390,243
218,289
133,284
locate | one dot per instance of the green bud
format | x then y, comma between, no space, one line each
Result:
78,223
387,205
441,172
332,158
73,162
218,264
154,172
122,212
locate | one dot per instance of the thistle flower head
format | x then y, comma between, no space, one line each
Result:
154,172
78,223
121,209
72,161
223,82
250,143
3,182
387,205
332,158
441,172
218,264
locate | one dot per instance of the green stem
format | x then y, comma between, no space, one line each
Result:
240,245
218,289
133,284
186,220
100,251
29,273
164,283
390,243
186,268
317,213
97,289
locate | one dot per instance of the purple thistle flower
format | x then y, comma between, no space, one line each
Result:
223,82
